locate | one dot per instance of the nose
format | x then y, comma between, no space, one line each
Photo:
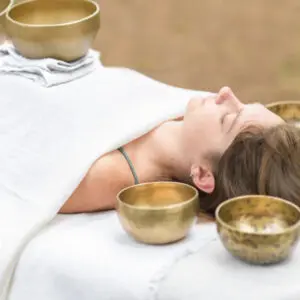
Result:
227,98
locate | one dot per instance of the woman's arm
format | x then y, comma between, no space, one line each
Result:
98,190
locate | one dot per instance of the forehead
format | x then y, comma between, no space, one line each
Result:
258,114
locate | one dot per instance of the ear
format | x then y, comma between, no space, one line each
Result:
203,179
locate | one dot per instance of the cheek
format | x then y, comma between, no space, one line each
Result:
210,125
209,137
213,138
193,104
202,123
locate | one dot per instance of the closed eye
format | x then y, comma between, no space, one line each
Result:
235,120
223,117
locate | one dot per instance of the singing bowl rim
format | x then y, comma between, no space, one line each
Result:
26,25
163,207
233,228
283,102
7,8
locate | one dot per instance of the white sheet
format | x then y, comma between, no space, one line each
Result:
50,137
91,257
211,273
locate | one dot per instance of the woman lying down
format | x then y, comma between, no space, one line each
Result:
221,146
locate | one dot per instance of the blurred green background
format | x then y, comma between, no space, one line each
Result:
252,46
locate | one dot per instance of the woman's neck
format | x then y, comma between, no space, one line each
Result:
168,151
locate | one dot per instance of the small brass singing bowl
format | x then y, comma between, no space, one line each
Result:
287,110
60,29
4,7
158,212
258,229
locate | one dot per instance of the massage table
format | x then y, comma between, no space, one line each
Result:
89,256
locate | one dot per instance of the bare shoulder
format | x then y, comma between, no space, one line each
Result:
110,169
99,188
106,167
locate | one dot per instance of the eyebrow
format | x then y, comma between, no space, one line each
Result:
238,115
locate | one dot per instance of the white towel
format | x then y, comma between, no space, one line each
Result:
46,72
89,256
50,137
212,273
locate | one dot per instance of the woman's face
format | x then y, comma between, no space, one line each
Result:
211,124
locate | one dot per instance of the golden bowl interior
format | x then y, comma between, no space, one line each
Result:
287,110
259,215
59,29
157,195
53,12
158,213
258,229
4,6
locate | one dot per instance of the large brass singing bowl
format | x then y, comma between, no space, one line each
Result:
258,229
158,213
4,7
287,110
60,29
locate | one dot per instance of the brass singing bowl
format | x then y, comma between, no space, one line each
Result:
258,229
287,110
159,212
4,7
60,29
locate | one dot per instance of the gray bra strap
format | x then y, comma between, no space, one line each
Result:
136,180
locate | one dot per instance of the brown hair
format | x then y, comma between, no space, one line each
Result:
265,162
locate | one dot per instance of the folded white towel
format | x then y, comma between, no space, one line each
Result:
46,72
